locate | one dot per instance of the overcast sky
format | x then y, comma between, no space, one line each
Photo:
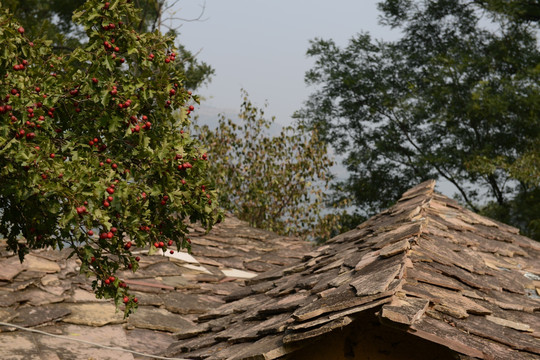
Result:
261,46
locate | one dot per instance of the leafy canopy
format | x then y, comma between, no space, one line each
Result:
275,182
92,151
456,98
52,19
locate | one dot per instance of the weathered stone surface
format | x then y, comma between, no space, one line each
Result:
177,282
404,311
18,285
9,268
7,314
36,263
426,266
113,336
162,268
338,323
93,314
429,274
29,317
344,299
236,273
481,326
37,297
375,277
52,284
287,303
508,323
185,303
148,341
163,320
18,345
80,295
445,297
7,299
337,315
395,248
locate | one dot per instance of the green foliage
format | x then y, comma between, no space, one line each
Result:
91,149
517,10
52,20
278,183
452,99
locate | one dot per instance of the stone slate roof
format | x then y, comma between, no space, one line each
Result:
47,293
426,266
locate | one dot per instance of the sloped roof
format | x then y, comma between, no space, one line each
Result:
47,293
427,266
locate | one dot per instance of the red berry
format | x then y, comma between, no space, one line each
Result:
106,203
94,80
90,232
114,166
191,107
20,30
138,258
51,156
170,242
107,281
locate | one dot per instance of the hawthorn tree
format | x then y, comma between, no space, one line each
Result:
92,149
456,98
52,19
275,182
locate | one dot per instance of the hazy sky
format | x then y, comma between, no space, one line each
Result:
261,46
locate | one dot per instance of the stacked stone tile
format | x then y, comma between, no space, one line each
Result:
47,293
426,267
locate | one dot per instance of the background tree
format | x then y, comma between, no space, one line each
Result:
456,97
275,182
52,20
91,148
